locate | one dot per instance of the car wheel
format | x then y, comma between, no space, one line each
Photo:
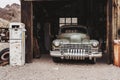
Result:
56,59
4,54
93,60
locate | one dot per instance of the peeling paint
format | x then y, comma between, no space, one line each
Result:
17,45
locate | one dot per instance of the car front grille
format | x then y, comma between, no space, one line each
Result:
76,48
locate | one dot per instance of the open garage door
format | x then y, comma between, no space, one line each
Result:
45,16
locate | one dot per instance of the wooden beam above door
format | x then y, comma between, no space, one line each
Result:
46,0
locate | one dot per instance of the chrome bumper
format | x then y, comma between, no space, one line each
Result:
75,56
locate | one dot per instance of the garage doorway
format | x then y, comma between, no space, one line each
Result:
47,15
95,14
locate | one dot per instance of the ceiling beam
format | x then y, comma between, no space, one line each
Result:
46,0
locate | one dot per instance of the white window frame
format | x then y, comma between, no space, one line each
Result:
68,21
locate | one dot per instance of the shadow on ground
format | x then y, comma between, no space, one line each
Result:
103,60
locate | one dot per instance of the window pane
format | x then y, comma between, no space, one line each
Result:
61,20
68,20
74,20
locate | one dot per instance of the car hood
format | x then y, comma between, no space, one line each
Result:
74,37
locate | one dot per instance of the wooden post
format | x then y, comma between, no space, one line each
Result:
26,18
109,43
116,27
118,21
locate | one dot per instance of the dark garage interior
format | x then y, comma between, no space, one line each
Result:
46,16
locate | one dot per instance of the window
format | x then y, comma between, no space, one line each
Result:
68,21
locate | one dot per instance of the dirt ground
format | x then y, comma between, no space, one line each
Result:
45,69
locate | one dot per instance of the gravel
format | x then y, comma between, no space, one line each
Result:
45,69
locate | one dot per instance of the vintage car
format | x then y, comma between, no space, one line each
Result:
73,42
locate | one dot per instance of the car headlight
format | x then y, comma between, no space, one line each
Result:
95,44
56,43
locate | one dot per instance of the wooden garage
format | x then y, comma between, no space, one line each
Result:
101,16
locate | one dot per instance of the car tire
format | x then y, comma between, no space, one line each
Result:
56,59
4,54
93,61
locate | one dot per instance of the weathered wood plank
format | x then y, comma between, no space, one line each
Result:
118,26
26,18
46,0
3,63
109,43
36,51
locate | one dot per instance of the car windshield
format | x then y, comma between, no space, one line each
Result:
73,30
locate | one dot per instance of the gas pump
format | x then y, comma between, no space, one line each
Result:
17,43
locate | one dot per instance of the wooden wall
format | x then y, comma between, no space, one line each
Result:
26,18
109,40
116,18
113,25
115,21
